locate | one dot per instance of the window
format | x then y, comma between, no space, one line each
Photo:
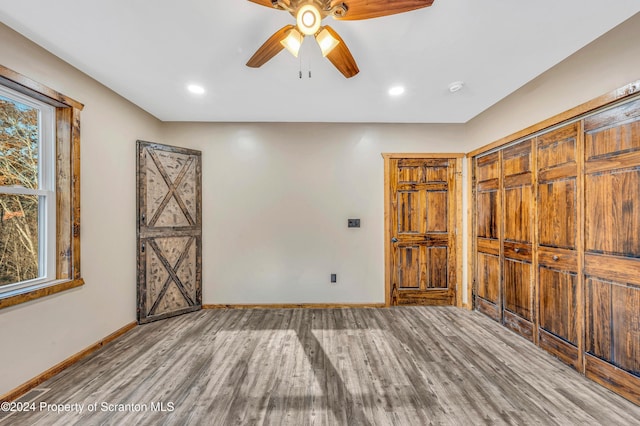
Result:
27,192
39,190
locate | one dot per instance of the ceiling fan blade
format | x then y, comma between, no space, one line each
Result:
270,48
269,3
341,57
262,2
367,9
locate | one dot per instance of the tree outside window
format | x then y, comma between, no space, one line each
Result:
26,190
18,212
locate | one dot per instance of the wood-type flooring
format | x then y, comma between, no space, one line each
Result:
395,366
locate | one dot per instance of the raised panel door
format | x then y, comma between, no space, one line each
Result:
488,222
423,213
557,225
612,248
517,241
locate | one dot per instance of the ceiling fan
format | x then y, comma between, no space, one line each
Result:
309,15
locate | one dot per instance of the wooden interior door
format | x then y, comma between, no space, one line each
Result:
423,231
517,242
558,280
169,231
488,288
612,248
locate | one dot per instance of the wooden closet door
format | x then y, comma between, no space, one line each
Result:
517,273
612,249
488,228
557,213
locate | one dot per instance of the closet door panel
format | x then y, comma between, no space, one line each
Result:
613,212
557,148
517,213
614,131
612,248
487,208
488,223
517,282
613,330
557,213
558,304
598,326
558,327
517,242
488,275
557,226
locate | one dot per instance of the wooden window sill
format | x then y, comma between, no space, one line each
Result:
41,292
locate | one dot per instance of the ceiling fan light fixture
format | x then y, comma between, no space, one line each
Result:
326,41
292,42
308,19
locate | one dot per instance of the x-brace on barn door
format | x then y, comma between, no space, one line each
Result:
169,201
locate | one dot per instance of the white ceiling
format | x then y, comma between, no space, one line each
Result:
149,50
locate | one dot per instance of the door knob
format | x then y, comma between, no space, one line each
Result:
394,240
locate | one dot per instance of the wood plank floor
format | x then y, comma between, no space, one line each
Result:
397,366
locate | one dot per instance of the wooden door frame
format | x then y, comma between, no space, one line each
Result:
457,200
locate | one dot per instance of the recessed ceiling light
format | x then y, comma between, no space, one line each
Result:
396,91
195,89
456,86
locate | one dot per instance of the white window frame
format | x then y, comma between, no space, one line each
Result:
46,192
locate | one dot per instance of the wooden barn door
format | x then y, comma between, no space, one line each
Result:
169,231
423,231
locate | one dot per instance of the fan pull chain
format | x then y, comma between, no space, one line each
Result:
300,67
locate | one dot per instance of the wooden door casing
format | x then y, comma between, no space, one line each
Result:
558,218
612,248
169,231
423,214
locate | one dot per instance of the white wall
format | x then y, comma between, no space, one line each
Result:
608,63
276,199
37,335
